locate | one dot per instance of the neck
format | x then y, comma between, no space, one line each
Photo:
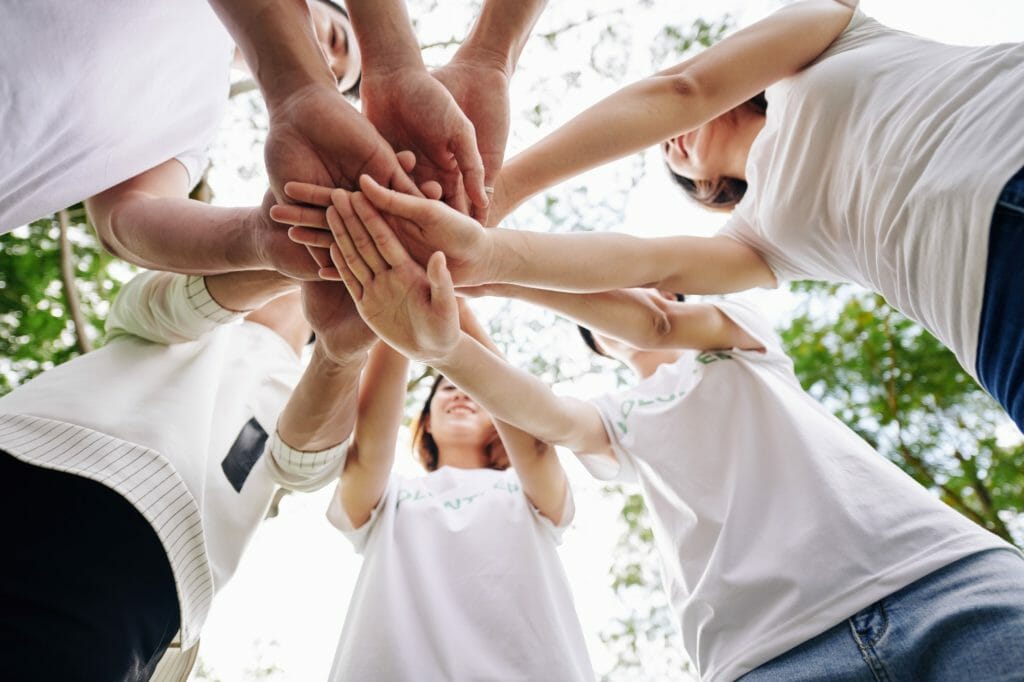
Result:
747,124
462,456
645,363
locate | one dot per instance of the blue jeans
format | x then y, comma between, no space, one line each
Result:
962,622
1000,359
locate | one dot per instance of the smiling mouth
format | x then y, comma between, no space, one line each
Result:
681,145
466,409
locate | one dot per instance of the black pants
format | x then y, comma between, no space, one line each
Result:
86,590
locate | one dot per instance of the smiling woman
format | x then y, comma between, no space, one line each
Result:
455,556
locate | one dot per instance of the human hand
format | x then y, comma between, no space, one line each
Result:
481,91
413,310
423,227
412,110
330,311
312,202
275,250
316,136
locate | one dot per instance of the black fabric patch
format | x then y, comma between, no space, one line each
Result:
244,453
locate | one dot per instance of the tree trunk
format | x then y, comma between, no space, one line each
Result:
67,275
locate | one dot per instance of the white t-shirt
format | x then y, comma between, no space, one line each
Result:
773,519
179,395
881,164
94,93
461,581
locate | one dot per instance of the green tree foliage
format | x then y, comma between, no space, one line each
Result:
37,329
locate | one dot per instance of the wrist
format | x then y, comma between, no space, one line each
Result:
447,362
337,362
475,54
501,255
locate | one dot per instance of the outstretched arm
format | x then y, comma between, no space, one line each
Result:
478,77
149,221
415,311
676,100
598,262
639,317
535,461
315,134
411,109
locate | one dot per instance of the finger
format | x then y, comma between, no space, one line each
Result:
392,202
432,189
407,160
442,291
357,230
355,289
399,180
353,260
457,198
329,273
385,243
471,165
321,239
293,214
319,255
306,193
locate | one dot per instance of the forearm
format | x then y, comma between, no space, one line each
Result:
372,454
625,314
587,262
538,468
500,32
634,118
385,35
181,235
247,290
279,44
322,408
518,398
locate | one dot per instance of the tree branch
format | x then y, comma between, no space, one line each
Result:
67,276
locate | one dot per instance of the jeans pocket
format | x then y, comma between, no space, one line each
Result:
870,625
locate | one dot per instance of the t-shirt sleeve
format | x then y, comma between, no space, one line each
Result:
568,514
739,229
359,537
617,466
195,162
166,307
301,470
754,323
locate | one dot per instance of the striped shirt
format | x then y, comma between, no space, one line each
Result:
173,413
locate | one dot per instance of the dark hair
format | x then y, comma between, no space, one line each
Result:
423,443
720,194
353,91
588,336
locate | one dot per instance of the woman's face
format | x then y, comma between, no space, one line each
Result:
700,153
338,43
454,417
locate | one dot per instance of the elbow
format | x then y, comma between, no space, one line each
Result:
684,84
108,229
656,334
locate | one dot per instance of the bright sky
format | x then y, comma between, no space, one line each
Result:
291,593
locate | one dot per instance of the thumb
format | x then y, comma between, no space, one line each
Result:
442,291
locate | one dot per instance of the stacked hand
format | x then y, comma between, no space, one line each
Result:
422,226
414,111
481,91
413,309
